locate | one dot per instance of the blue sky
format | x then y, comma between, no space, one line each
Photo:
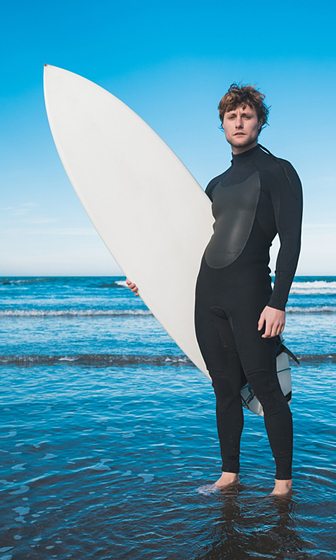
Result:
170,62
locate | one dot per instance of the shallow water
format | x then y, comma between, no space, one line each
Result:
107,432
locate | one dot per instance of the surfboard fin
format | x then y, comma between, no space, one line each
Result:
282,348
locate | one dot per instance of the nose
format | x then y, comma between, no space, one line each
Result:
239,122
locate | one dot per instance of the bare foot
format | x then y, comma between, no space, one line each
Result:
226,479
282,487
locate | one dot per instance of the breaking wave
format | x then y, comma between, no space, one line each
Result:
74,312
27,313
313,309
316,287
123,360
95,360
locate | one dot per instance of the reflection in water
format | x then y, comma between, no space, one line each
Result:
263,528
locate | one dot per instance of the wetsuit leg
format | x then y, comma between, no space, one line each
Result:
258,359
218,346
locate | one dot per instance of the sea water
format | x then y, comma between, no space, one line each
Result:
107,431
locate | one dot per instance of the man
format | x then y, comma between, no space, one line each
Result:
237,315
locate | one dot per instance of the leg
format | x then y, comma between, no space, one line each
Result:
259,362
218,347
279,427
277,417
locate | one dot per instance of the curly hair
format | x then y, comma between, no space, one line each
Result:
244,95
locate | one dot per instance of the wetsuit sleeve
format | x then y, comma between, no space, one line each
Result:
286,195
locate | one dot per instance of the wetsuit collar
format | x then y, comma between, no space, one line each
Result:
247,157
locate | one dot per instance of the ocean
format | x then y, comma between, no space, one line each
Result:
108,431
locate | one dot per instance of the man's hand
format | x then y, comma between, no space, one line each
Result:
275,321
132,286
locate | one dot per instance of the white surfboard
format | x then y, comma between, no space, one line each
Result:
150,212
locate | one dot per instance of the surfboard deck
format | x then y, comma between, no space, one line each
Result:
151,213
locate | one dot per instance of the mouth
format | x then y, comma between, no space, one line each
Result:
239,134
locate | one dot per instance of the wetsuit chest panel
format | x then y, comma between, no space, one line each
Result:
234,209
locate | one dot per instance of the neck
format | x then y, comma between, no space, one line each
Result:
240,150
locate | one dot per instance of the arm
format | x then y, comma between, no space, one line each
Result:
286,195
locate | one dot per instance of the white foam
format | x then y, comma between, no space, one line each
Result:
74,312
121,283
315,287
317,309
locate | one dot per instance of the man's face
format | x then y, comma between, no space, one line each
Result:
241,128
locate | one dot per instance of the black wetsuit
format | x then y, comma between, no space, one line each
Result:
256,198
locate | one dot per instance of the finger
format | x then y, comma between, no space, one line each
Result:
268,329
274,331
281,328
261,322
267,333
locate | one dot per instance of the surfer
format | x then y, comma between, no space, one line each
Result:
237,314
